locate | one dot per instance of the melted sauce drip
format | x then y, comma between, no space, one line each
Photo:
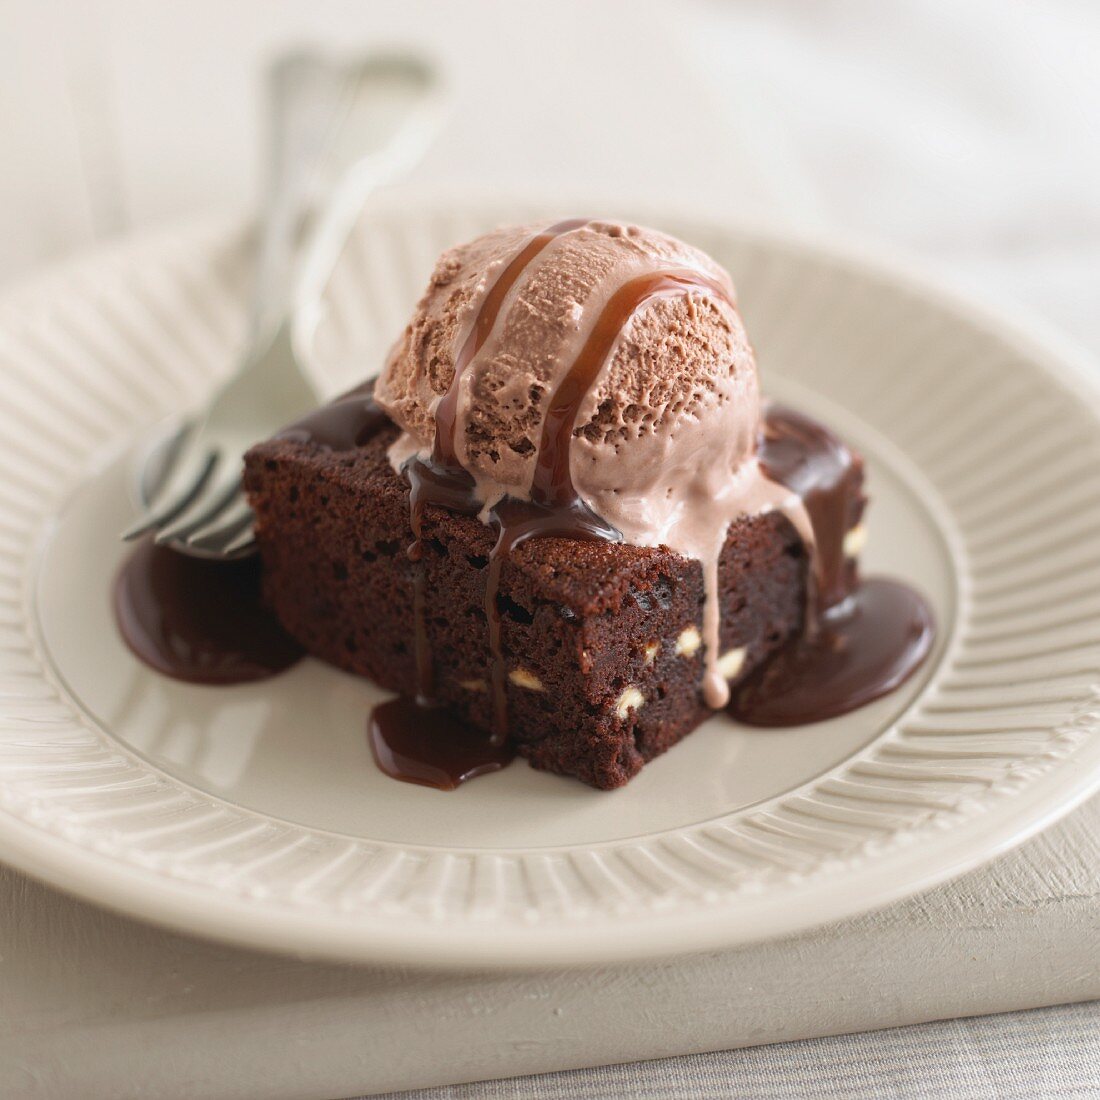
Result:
429,746
444,452
862,638
443,481
552,484
452,489
199,620
343,424
514,521
808,459
555,508
412,740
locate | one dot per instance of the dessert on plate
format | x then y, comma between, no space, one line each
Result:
564,523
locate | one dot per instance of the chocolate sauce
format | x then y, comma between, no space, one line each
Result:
862,648
429,746
202,620
552,484
444,481
450,488
199,620
343,424
444,451
813,463
556,508
861,638
514,521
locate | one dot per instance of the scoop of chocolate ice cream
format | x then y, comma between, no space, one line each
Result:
609,353
678,389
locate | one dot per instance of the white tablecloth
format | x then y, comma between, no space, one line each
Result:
1050,1052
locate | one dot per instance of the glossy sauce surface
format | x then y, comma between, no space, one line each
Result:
343,424
862,648
429,746
198,620
445,448
801,453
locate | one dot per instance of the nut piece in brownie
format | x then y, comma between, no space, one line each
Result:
602,641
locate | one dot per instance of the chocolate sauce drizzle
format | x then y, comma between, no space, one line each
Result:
444,481
552,486
444,449
448,488
514,521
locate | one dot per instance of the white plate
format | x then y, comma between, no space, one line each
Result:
255,814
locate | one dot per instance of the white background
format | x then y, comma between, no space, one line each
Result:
967,133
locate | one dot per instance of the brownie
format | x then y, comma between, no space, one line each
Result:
602,640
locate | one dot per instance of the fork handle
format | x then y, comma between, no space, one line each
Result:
308,98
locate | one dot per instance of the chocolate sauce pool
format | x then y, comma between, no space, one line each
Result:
203,621
198,620
859,649
429,746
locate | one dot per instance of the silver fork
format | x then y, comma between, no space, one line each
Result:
379,115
